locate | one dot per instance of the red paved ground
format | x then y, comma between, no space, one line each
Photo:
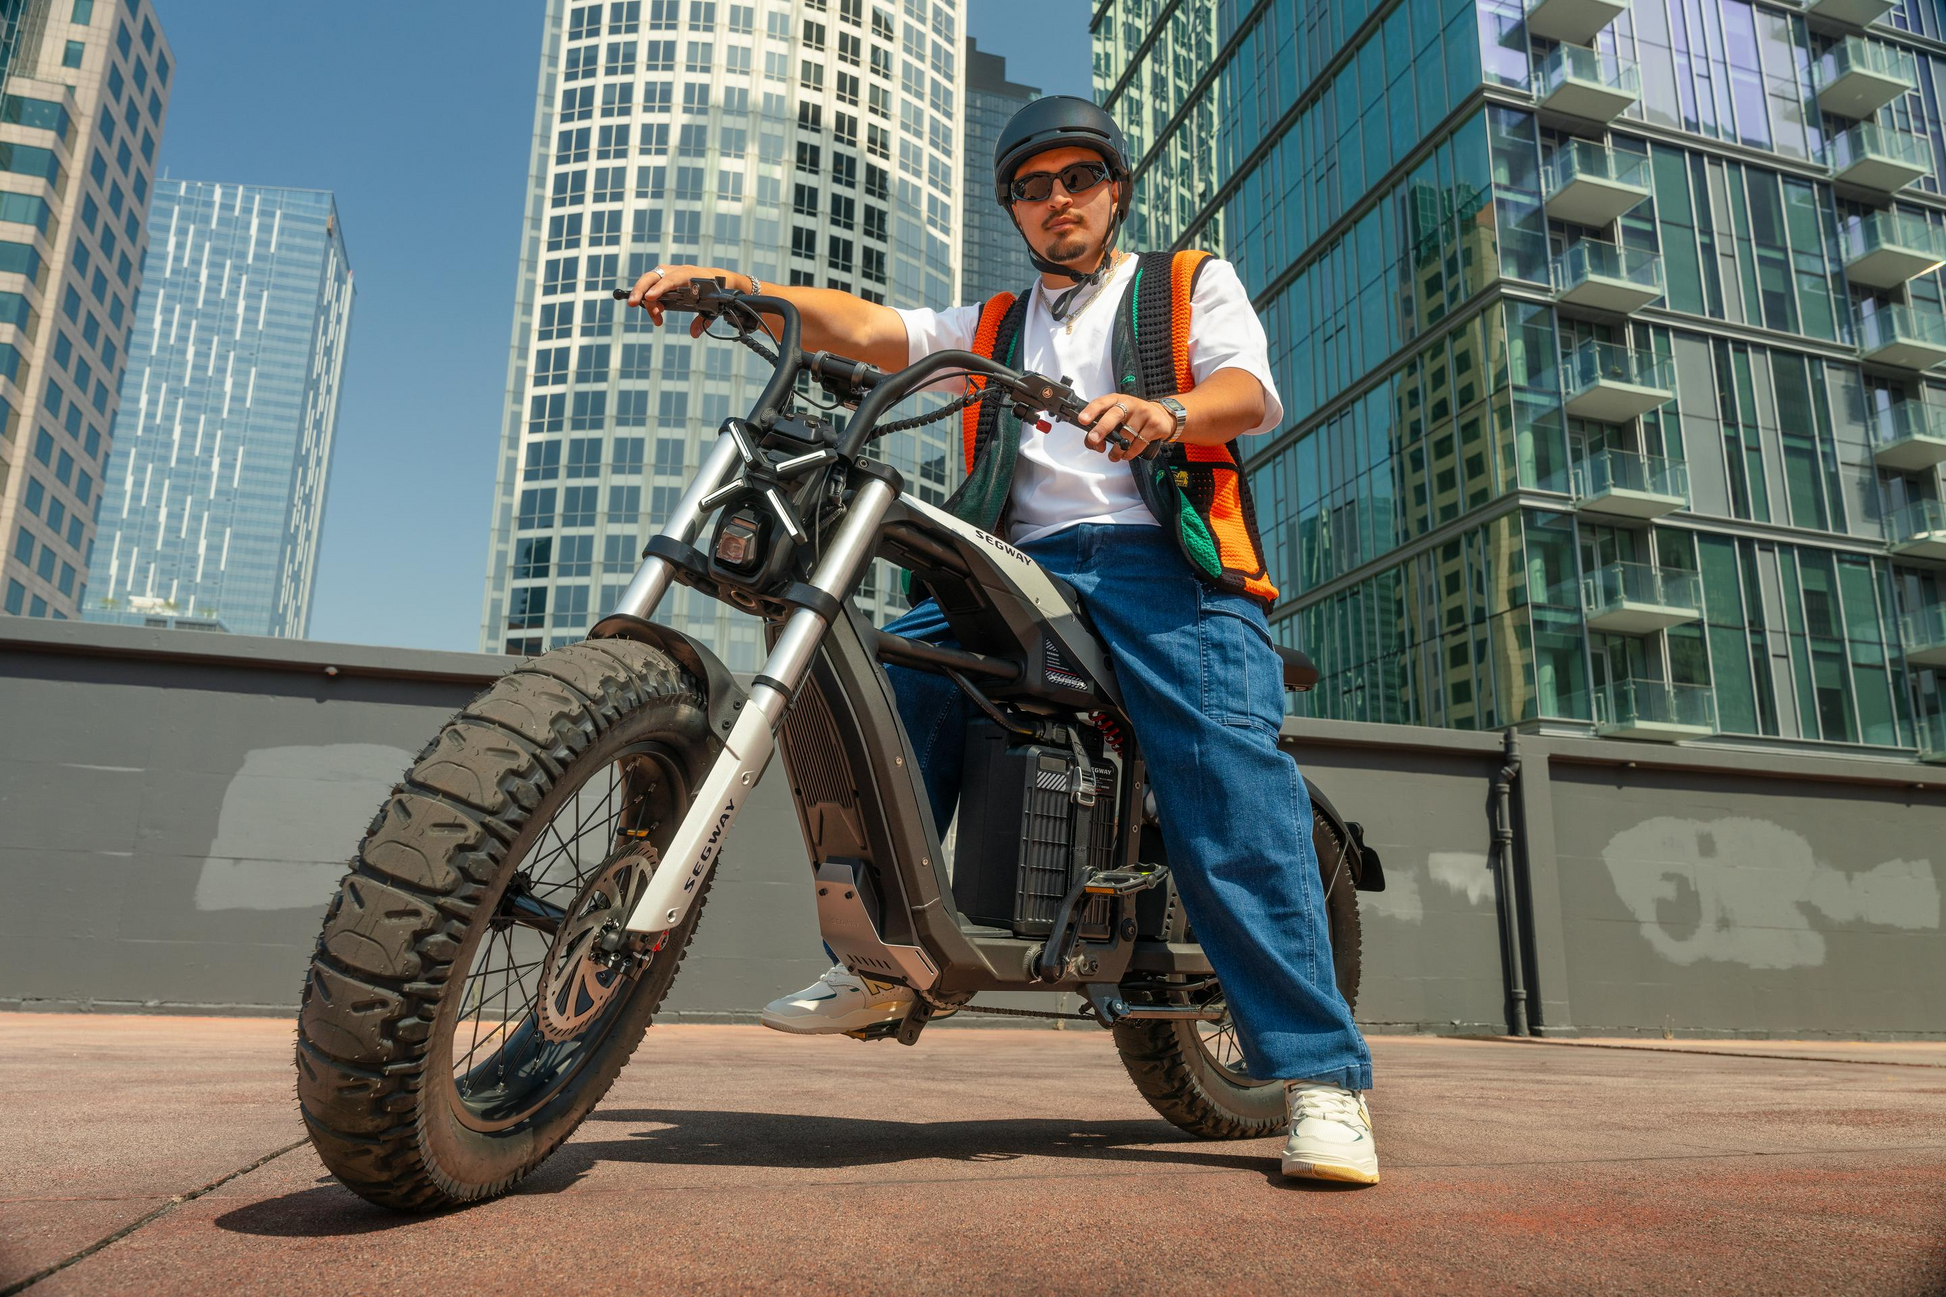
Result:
730,1159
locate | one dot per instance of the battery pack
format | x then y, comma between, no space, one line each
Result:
1023,807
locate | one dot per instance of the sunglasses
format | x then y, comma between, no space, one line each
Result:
1038,186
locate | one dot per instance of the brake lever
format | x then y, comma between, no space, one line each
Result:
1061,401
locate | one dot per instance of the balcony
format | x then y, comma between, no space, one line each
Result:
1628,485
1603,277
1918,530
1857,77
1612,383
1909,436
1887,248
1853,13
1591,84
1923,633
1878,158
1577,22
1587,184
1653,709
1906,336
1640,598
1932,738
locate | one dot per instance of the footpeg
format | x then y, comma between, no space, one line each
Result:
1067,920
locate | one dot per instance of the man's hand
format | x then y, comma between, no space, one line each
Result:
1146,424
649,289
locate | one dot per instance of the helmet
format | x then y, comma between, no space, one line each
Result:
1057,122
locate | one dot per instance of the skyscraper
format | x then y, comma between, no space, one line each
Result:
215,491
996,254
812,141
1608,338
85,99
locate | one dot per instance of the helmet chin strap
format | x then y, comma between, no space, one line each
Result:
1058,308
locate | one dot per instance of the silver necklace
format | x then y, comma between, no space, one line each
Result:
1114,260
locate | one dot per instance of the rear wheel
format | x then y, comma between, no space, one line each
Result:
1192,1073
461,1018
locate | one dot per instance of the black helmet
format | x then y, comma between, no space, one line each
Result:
1059,122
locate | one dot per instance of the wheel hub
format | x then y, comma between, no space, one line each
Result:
581,979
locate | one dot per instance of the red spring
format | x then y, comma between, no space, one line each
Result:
1109,730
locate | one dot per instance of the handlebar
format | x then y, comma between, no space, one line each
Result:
713,298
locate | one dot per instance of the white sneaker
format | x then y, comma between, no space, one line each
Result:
839,1001
1331,1134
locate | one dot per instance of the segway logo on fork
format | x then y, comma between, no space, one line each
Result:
708,853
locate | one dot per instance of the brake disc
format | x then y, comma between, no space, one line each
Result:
580,980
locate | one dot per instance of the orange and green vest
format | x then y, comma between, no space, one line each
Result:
1198,492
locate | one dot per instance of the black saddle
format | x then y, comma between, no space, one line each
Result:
1300,673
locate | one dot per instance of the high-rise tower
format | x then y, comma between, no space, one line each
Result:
996,254
1609,336
807,142
216,488
85,98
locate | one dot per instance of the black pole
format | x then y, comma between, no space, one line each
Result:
1503,851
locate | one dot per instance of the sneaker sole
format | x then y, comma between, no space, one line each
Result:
1340,1172
827,1026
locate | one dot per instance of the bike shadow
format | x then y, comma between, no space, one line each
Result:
776,1141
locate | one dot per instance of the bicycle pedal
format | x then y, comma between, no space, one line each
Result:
877,1031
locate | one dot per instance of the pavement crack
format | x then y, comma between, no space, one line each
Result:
175,1201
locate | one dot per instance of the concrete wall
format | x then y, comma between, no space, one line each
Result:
176,809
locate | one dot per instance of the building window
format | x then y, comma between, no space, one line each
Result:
576,557
618,100
543,461
545,412
627,456
624,506
527,610
532,556
570,607
624,17
584,457
71,57
578,506
577,103
536,509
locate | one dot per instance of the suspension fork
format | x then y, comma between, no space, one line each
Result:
652,579
753,739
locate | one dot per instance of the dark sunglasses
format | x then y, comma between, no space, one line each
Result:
1038,186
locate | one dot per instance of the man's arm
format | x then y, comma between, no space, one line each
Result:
1221,408
832,321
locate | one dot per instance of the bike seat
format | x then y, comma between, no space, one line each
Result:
1300,672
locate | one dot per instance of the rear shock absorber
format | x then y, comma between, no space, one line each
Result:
1109,730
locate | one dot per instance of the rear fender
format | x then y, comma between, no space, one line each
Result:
1367,874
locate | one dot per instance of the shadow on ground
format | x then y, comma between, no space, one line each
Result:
780,1142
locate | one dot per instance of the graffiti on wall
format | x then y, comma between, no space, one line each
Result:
1744,891
290,820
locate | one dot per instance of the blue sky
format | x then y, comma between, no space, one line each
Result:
418,115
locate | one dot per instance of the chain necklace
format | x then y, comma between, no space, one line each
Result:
1114,260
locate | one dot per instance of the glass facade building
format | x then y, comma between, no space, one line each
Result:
1607,334
800,141
995,253
215,493
81,114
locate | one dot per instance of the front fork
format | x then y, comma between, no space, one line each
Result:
753,738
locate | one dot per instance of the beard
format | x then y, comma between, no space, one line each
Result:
1067,246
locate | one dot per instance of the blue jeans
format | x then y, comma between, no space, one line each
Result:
1204,691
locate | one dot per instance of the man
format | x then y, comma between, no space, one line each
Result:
1163,553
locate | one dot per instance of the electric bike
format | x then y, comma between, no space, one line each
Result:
521,903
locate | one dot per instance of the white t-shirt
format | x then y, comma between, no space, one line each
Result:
1058,481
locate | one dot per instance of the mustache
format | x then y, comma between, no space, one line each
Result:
1076,217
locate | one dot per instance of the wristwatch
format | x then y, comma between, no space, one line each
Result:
1173,406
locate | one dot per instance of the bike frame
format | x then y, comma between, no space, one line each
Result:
861,799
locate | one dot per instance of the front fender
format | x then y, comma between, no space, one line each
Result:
726,696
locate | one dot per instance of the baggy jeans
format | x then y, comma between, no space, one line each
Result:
1204,691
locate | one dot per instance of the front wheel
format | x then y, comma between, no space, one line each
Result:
1192,1073
461,1016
